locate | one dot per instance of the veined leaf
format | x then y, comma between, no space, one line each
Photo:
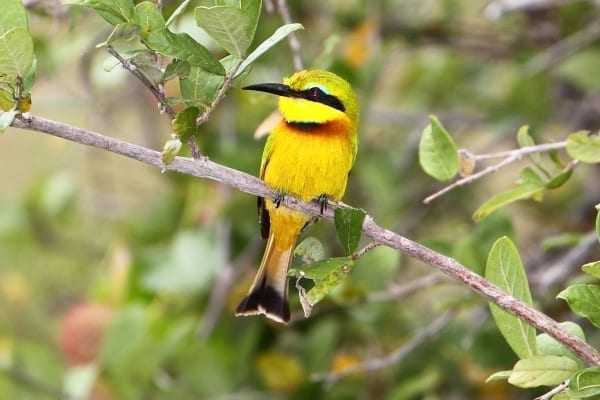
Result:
592,269
548,346
584,300
348,225
232,27
542,371
275,38
184,47
12,16
148,17
584,146
326,274
585,383
438,154
113,11
16,55
310,250
199,87
184,124
505,269
123,32
521,192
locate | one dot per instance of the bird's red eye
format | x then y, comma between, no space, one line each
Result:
314,93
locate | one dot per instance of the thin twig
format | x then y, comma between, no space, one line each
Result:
252,185
364,250
396,292
393,358
292,38
129,66
220,94
511,156
560,388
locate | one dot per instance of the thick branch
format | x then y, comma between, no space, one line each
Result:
204,168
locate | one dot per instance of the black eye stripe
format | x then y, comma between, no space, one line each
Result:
316,94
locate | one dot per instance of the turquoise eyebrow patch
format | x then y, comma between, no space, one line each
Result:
312,85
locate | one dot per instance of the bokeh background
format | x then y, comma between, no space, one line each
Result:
120,282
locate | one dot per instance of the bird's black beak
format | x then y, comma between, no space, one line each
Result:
274,88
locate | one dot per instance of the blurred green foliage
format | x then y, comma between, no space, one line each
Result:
170,256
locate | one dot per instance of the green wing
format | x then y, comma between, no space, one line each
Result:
263,214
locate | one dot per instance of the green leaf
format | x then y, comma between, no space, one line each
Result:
326,274
521,192
438,155
499,376
123,336
584,146
232,27
114,11
148,17
585,383
584,300
559,179
176,68
199,87
184,47
525,140
275,38
310,250
505,269
16,55
122,32
542,371
13,15
184,124
548,346
348,225
7,118
592,268
171,150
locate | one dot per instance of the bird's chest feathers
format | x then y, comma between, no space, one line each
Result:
309,160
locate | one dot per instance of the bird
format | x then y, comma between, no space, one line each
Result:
308,154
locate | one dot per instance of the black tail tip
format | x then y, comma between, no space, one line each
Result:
267,301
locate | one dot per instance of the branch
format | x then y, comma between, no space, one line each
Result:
560,388
393,358
292,38
204,168
131,67
509,156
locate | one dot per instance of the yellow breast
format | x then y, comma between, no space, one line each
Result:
310,162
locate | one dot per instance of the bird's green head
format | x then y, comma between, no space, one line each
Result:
314,96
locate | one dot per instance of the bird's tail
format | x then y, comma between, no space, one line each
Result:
268,293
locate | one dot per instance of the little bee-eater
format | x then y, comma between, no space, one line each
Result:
308,154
